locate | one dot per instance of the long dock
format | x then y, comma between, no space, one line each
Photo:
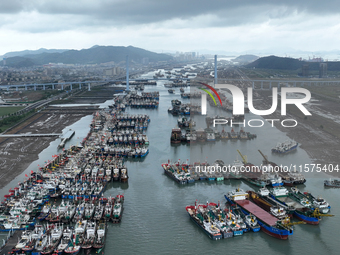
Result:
65,137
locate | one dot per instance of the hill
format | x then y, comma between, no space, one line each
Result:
281,63
93,55
245,58
31,52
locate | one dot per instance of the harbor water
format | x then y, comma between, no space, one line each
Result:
155,220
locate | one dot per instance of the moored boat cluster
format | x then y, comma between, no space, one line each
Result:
269,211
61,208
134,100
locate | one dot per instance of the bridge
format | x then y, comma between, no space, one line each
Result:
256,83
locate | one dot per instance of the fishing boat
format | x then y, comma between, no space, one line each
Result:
53,239
171,91
240,219
90,235
78,238
79,214
252,223
123,175
18,222
196,213
65,241
25,238
176,135
100,236
219,219
89,210
98,213
69,214
318,202
285,147
232,223
36,235
117,209
332,183
235,170
45,212
116,174
108,209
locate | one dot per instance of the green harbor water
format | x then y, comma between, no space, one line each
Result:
155,220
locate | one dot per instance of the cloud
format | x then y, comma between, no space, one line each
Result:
230,25
131,12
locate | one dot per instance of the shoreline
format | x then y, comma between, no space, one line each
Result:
19,153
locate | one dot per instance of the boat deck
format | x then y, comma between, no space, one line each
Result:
291,202
257,211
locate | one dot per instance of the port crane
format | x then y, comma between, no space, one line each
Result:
316,213
265,161
243,157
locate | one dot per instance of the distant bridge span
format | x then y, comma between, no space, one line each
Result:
255,83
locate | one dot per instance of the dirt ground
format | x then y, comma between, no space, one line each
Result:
16,154
319,134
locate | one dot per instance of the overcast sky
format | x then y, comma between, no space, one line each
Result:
172,25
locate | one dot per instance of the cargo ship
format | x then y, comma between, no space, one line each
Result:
269,204
269,224
301,212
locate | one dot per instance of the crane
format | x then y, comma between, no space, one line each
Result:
317,214
243,157
265,161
